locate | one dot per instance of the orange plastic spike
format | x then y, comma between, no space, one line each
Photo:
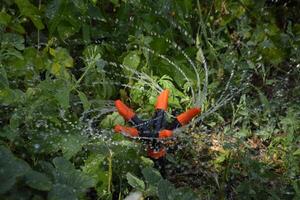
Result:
162,100
156,154
133,132
123,110
165,133
187,116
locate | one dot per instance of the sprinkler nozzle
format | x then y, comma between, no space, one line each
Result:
124,111
156,154
133,132
162,100
187,116
165,133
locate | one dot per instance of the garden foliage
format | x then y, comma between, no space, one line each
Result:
61,60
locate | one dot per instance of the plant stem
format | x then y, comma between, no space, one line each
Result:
38,32
109,172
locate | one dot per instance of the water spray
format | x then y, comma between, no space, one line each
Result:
154,130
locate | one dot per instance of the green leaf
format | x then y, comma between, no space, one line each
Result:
38,181
13,40
111,120
132,59
63,97
62,56
186,194
62,192
166,190
94,168
93,164
10,169
66,174
146,161
4,18
151,175
71,144
63,165
84,100
81,5
297,152
3,78
18,28
115,2
65,30
135,182
29,10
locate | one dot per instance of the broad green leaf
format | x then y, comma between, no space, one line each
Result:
29,10
10,169
111,120
297,152
135,182
132,60
62,57
72,144
147,161
3,78
93,164
115,2
13,40
8,133
84,100
81,5
63,165
62,192
271,53
66,174
38,181
56,69
18,28
151,175
15,121
166,190
63,96
46,167
4,18
186,194
94,168
65,30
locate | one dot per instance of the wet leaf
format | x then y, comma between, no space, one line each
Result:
71,144
132,60
4,18
29,10
66,174
151,175
62,192
38,181
135,182
85,102
166,190
10,169
111,120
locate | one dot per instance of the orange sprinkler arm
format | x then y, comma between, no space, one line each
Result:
186,117
133,132
162,100
156,154
124,111
165,133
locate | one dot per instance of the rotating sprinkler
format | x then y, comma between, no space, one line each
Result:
156,129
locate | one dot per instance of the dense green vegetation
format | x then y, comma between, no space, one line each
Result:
62,62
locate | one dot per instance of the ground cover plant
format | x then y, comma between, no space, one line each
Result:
64,62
